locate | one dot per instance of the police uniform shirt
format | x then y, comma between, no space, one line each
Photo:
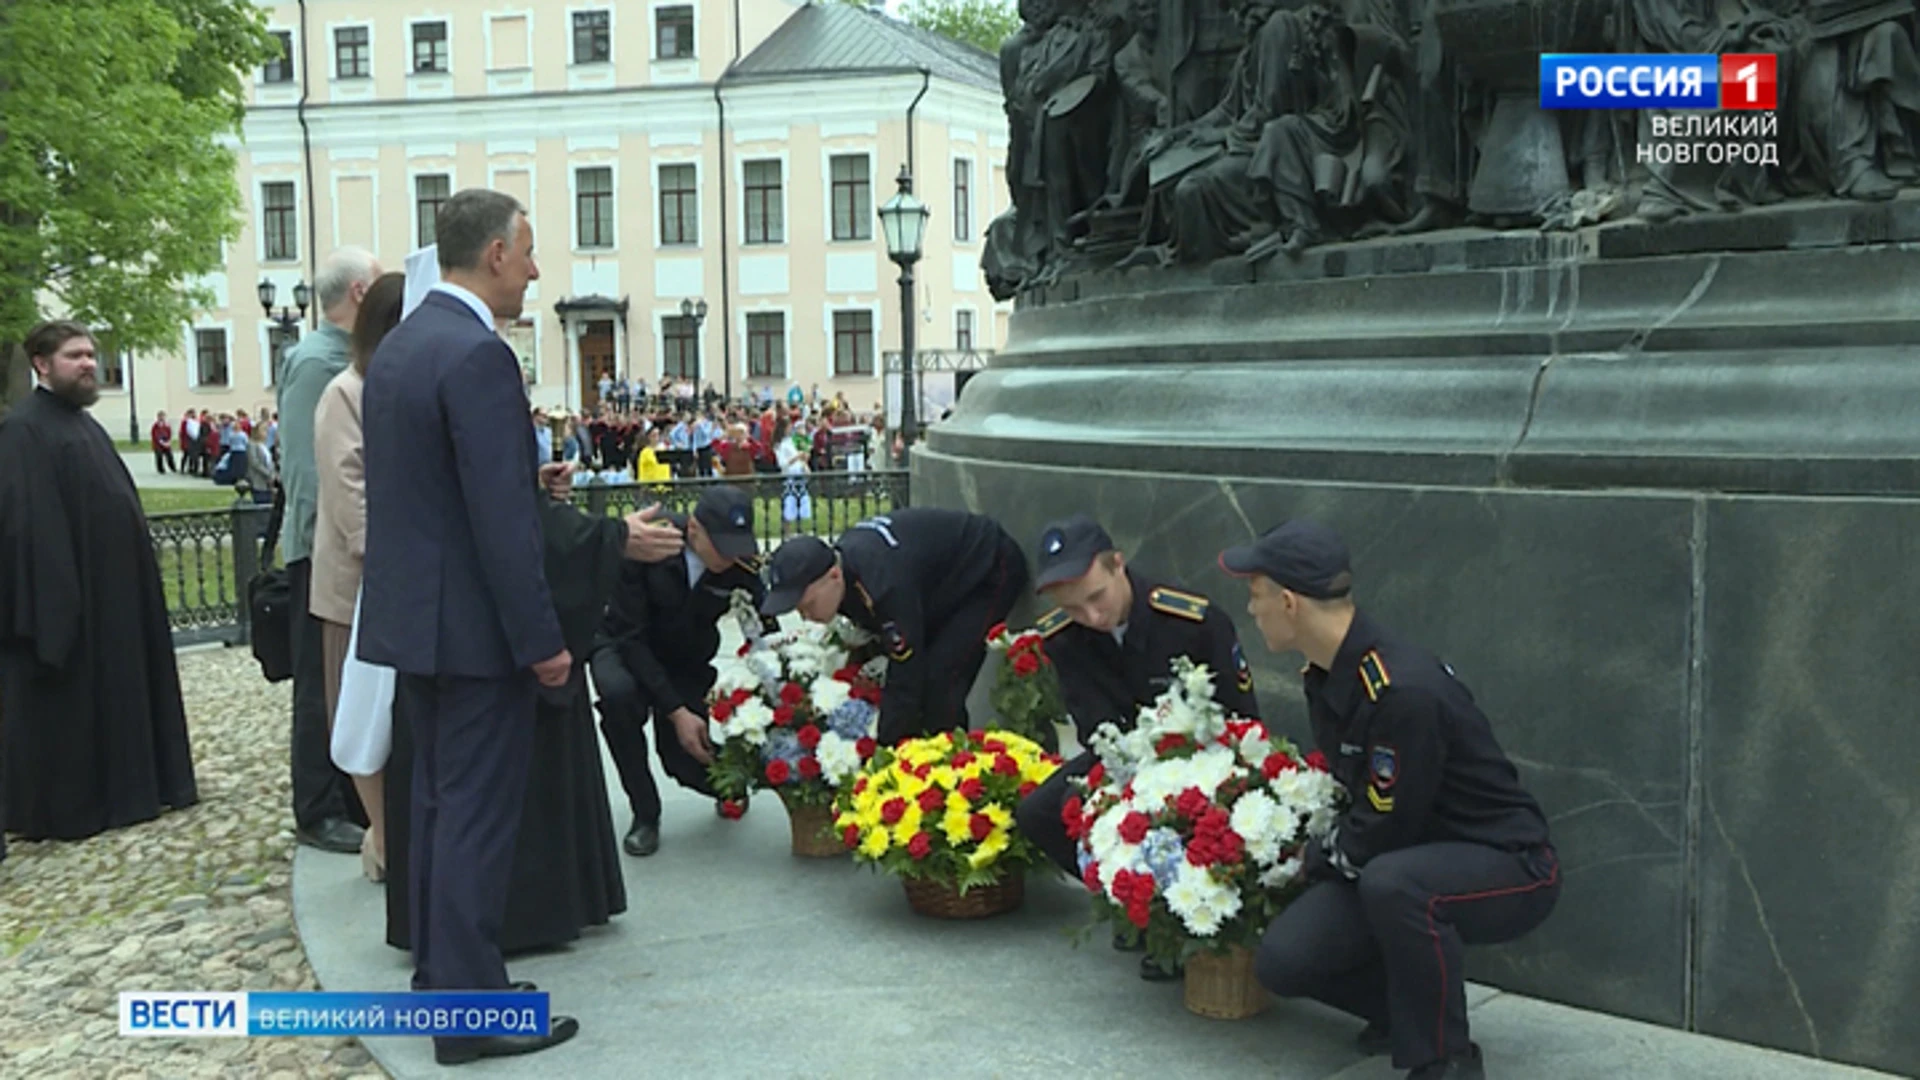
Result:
906,572
663,624
1414,752
1105,680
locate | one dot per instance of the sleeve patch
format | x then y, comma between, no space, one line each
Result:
898,648
1179,604
1373,675
1381,803
1385,767
1243,675
1053,622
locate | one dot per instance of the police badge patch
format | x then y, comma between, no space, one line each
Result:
1243,674
1386,767
897,646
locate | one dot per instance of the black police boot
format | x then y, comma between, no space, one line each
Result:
1151,971
642,840
1374,1040
1121,944
1465,1066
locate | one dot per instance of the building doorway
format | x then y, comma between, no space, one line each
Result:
596,358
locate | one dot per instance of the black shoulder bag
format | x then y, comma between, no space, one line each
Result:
270,602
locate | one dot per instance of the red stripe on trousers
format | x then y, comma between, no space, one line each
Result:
1440,953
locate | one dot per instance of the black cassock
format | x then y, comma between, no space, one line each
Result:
566,862
93,734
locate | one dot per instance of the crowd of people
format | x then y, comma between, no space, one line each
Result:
221,447
458,622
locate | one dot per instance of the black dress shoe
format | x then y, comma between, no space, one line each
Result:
1151,971
642,840
522,987
1465,1066
333,834
463,1051
1121,944
1374,1040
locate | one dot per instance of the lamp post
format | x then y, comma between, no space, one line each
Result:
904,221
286,318
695,311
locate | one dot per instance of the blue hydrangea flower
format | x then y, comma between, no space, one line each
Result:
784,745
851,719
1164,851
1086,857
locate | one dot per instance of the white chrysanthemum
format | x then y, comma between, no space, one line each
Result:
1161,780
839,759
1255,815
1284,874
1254,748
1103,840
875,670
731,675
828,695
751,721
1202,903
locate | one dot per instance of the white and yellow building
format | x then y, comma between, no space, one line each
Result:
669,150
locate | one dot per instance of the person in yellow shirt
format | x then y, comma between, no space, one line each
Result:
650,468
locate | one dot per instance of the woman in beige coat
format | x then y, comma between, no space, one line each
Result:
340,535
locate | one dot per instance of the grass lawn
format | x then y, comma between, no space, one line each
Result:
195,553
173,500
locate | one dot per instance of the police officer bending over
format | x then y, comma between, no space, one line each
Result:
1441,847
930,583
654,656
1112,640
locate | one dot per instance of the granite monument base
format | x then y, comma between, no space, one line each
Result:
1657,507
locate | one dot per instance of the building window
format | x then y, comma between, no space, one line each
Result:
279,340
111,374
963,330
280,68
766,221
210,357
279,224
852,343
593,190
351,49
963,200
592,37
766,345
430,48
679,205
673,33
852,197
680,352
429,195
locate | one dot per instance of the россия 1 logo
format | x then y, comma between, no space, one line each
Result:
1659,81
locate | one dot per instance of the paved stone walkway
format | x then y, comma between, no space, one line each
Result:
197,900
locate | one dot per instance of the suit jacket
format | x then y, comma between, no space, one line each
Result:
454,576
661,632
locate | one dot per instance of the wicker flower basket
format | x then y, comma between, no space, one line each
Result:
1223,987
813,831
942,900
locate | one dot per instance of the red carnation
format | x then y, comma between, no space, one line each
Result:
1133,827
1317,760
1275,764
782,715
743,649
792,694
1192,805
996,630
1170,742
733,810
920,846
859,784
893,810
980,825
1026,664
1139,915
995,746
1090,877
778,772
848,674
963,759
851,837
1096,775
1004,765
809,768
972,788
1026,788
739,698
809,736
865,747
720,711
1070,812
932,799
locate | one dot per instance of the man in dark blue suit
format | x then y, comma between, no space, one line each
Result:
455,594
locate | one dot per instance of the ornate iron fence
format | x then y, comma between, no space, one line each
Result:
207,557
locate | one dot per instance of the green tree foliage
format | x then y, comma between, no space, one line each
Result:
115,190
984,24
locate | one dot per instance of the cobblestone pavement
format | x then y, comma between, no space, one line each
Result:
197,900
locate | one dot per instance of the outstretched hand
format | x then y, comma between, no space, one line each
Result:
650,540
557,478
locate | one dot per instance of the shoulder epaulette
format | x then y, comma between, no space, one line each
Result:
1373,675
751,564
1185,605
1053,622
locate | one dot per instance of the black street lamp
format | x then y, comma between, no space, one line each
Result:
695,311
287,319
904,221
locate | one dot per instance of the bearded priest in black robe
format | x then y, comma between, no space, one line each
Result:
566,862
93,734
